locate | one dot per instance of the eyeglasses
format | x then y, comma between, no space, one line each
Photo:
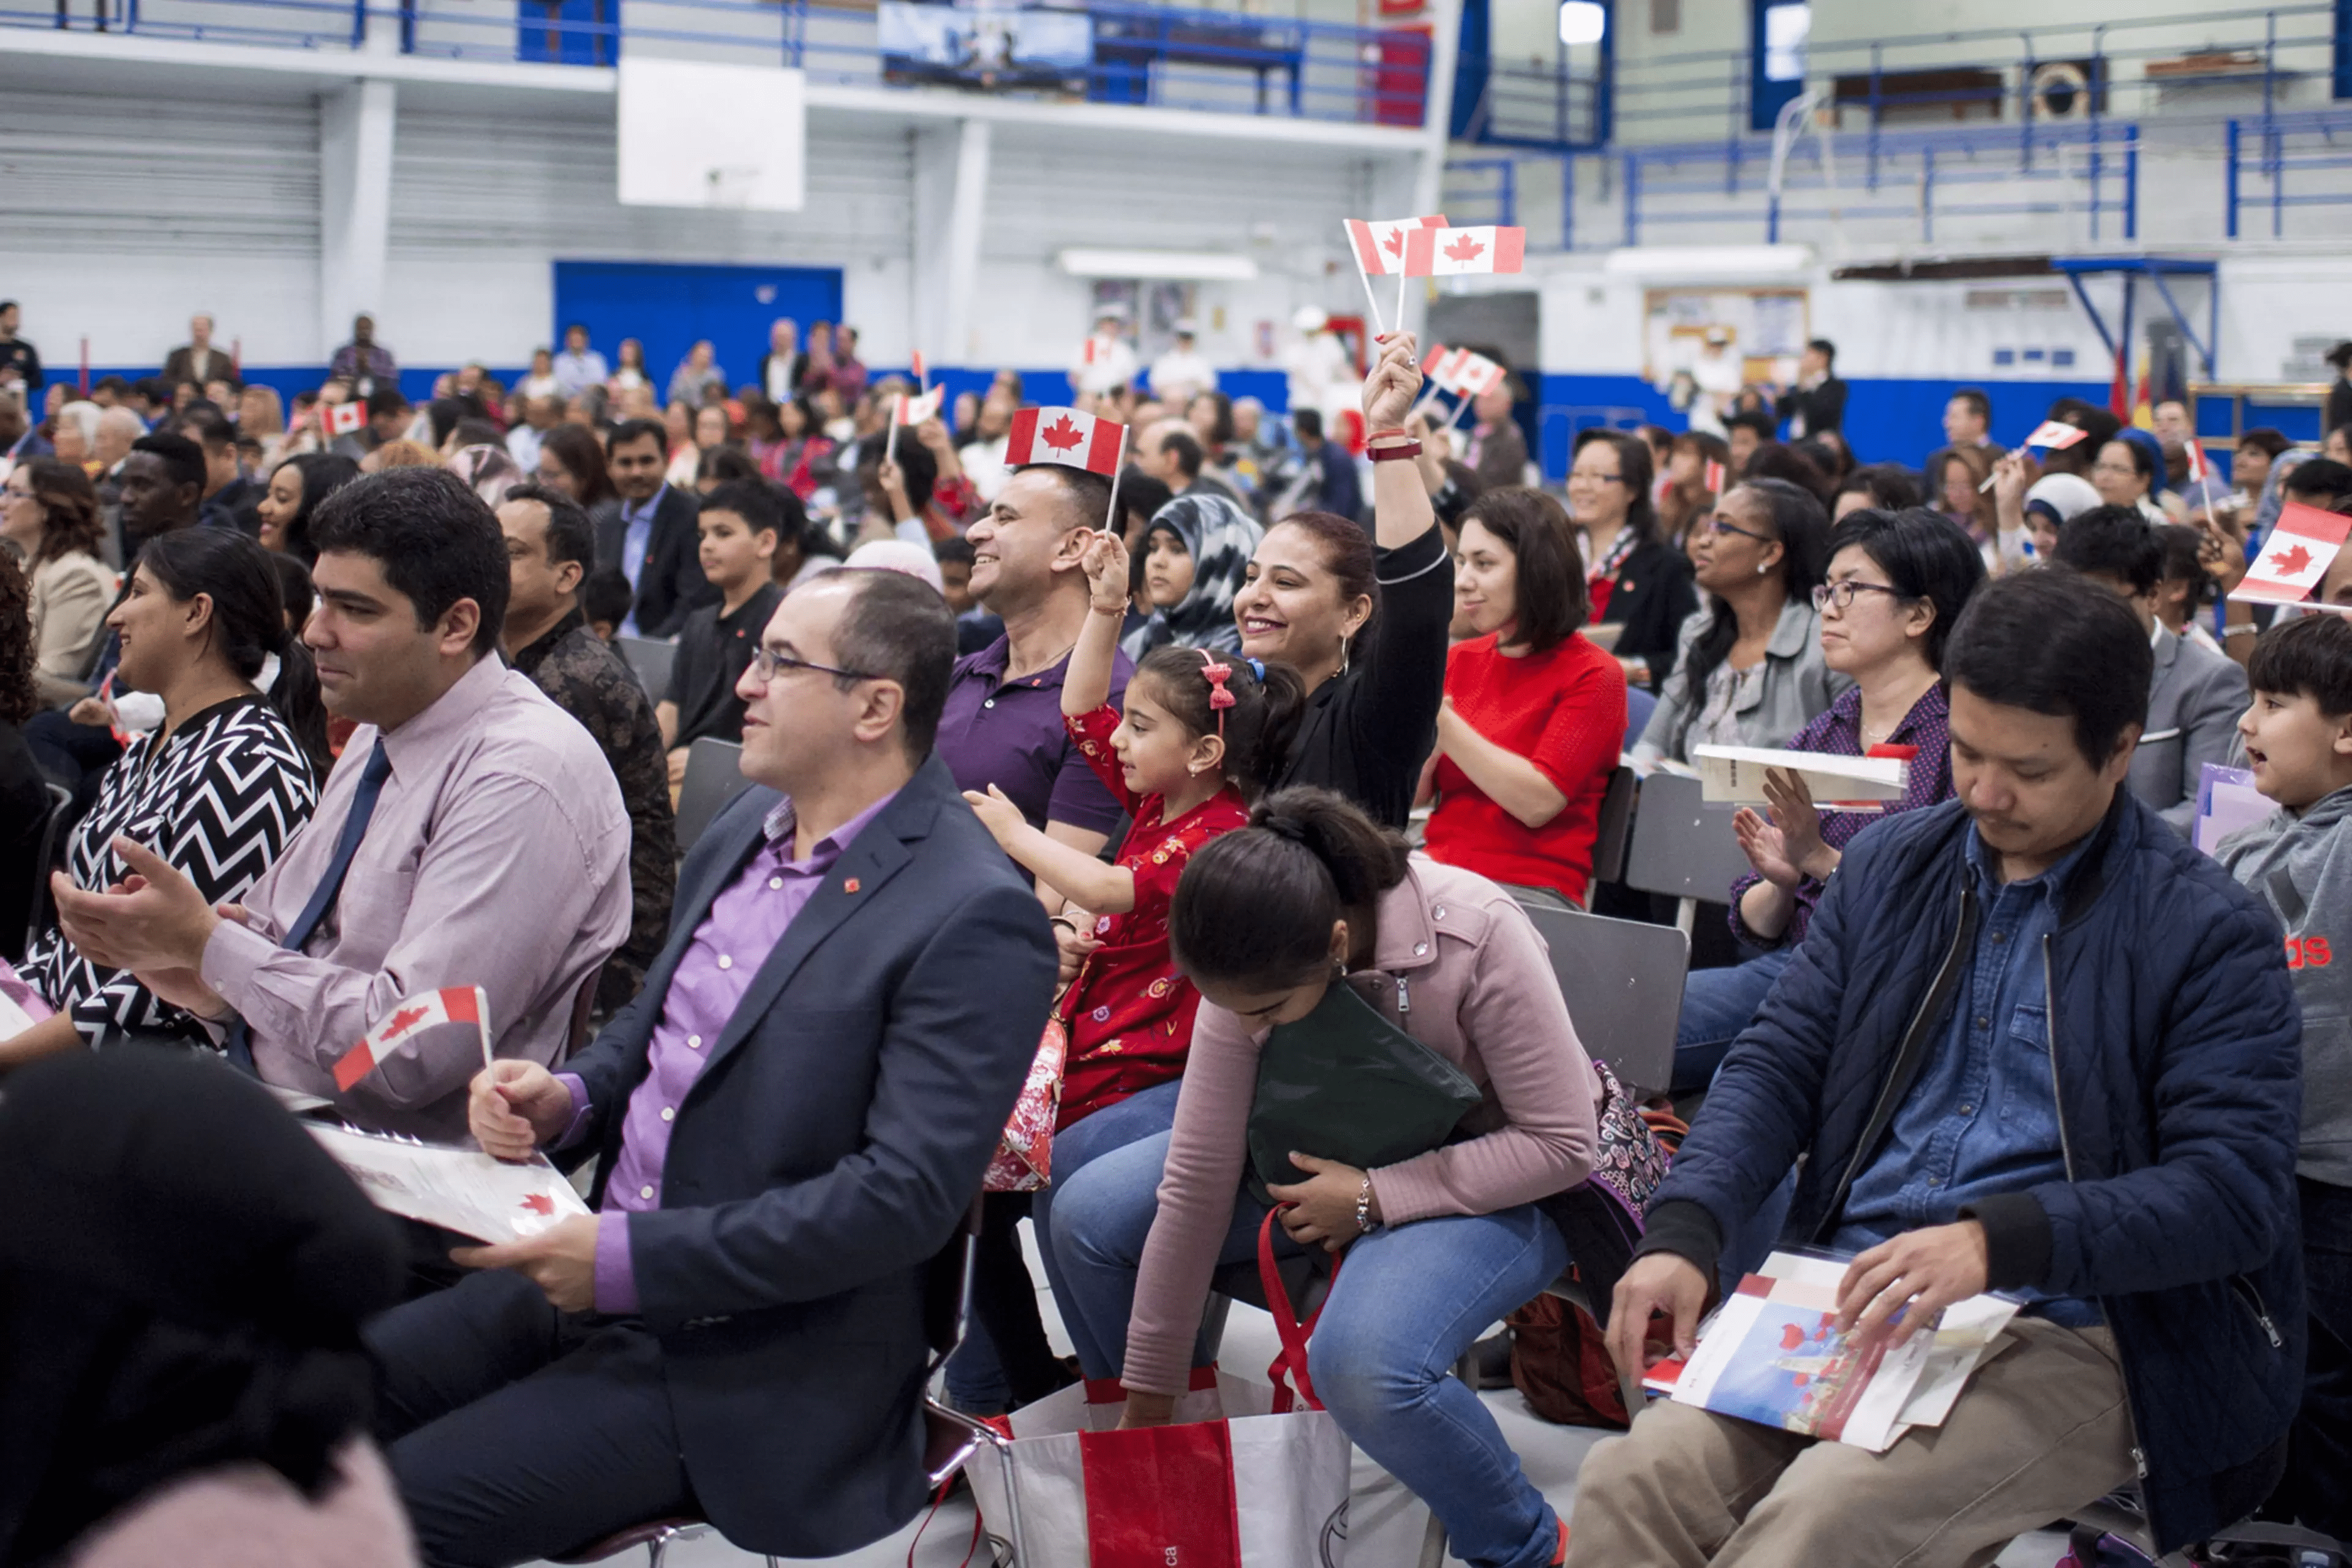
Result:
1718,527
766,662
1842,593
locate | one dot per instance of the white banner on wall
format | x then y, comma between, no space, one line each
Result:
692,134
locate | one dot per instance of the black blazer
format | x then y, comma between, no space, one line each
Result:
825,1157
671,582
1824,407
1653,596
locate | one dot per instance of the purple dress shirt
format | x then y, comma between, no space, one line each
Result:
1010,734
746,920
1839,731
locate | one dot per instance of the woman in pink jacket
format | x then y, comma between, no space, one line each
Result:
1439,1247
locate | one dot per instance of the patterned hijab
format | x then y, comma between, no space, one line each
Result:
1221,539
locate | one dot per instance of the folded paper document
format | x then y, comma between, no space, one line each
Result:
1772,1353
1736,773
455,1188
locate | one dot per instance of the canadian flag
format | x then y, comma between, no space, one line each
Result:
343,418
2195,452
2296,557
915,410
2052,436
1445,252
1473,375
411,1015
1067,436
1440,364
1714,477
1382,243
923,373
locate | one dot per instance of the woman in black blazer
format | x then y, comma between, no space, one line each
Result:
1638,583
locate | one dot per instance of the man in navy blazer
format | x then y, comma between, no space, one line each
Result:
793,1118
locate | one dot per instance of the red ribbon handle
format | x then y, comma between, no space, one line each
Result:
1290,1364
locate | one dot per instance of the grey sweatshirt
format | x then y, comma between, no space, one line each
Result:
2301,865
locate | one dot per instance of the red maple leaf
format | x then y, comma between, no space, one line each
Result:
1792,1336
540,1203
1061,434
1394,243
2292,562
404,1020
1464,248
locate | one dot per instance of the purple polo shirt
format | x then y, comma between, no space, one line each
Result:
1012,735
746,920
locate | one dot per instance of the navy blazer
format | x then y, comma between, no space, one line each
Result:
670,582
827,1156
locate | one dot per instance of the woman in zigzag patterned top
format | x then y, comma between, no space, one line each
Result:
217,789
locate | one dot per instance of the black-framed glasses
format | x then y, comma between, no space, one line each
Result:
1718,527
1842,593
766,662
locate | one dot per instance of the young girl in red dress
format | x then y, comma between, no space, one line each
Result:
1184,761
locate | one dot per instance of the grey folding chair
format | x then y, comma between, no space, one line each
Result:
714,776
1682,845
45,857
1616,824
650,658
1622,980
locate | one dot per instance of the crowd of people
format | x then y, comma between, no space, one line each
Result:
1277,748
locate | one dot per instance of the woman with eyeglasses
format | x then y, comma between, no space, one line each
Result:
1748,669
2125,475
1639,585
1897,582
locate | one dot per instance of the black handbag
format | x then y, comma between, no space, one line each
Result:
1343,1083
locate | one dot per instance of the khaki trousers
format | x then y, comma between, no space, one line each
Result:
2042,1429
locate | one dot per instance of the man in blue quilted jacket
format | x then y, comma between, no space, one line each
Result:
2036,1043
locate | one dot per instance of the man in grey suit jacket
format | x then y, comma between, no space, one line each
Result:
793,1118
2196,695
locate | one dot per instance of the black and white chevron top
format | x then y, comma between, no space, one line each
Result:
219,800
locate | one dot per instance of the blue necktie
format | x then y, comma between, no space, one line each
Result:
239,1043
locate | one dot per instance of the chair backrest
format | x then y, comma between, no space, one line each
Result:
1622,980
1639,705
1680,845
714,776
650,657
1616,824
45,860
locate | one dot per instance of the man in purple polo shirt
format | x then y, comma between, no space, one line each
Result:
793,1118
1004,726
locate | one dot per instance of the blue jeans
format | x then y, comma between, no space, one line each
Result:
1407,1303
975,1373
1717,1004
2319,1449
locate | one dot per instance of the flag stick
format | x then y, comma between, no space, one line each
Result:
1117,464
1466,401
1370,298
1402,273
897,417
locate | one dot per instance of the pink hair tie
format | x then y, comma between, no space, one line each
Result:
1219,697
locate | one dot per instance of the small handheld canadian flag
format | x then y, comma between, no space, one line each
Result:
1448,252
343,418
910,411
2053,437
1473,374
1067,436
410,1016
2194,450
1714,477
922,372
1381,244
2296,557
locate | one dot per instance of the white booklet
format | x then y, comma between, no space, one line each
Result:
1736,774
459,1189
1772,1353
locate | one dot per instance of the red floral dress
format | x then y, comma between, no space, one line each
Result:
1128,1013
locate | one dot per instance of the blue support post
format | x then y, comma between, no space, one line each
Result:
1928,195
1633,200
1568,201
2131,183
2229,181
2025,119
2095,178
1509,194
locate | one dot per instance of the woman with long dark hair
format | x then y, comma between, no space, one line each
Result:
1749,669
1315,912
296,488
49,512
1534,715
217,789
1636,582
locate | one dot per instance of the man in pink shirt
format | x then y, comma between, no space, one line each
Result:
471,834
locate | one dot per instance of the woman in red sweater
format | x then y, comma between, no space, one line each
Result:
1534,716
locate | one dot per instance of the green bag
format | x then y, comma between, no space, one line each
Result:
1343,1083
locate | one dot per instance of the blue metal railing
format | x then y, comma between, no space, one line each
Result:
1141,53
2325,140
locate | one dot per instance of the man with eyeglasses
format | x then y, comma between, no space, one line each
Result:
791,1122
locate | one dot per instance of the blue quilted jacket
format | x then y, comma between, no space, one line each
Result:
2174,1035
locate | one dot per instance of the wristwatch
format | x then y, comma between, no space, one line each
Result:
1402,449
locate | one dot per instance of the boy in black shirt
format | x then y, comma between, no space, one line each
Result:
739,525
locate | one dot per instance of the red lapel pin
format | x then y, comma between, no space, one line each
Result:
850,886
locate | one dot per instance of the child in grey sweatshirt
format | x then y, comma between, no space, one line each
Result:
2298,737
